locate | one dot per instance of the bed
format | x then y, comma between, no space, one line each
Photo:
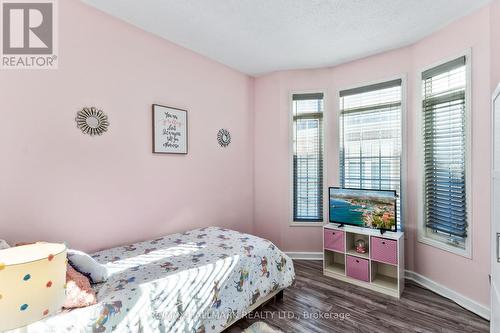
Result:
197,281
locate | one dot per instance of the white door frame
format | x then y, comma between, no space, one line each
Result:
495,226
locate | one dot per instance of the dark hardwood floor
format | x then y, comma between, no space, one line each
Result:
418,310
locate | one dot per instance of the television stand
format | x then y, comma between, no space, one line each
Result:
379,266
382,231
340,225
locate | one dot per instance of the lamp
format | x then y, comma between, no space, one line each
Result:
32,283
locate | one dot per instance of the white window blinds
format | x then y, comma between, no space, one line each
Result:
370,138
444,124
308,157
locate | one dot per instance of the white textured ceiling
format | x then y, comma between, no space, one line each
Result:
261,36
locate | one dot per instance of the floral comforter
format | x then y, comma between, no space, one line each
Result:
196,281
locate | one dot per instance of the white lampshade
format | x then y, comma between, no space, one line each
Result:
32,283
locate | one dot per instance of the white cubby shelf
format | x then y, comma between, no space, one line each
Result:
380,269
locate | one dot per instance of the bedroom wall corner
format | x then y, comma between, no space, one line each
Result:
251,107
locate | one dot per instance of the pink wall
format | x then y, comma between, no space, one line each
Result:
495,43
272,163
450,270
58,184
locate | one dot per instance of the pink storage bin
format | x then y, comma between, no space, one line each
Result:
384,250
334,240
358,268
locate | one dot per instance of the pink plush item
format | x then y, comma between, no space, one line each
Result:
79,293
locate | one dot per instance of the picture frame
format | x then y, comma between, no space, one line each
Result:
170,130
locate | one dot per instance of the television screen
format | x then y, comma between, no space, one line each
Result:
363,208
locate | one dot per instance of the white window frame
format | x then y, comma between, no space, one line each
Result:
325,155
423,236
404,156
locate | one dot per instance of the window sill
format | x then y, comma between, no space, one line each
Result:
307,224
441,244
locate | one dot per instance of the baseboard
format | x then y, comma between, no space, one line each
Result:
474,307
305,255
467,303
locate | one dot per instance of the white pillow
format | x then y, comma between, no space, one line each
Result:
3,245
87,265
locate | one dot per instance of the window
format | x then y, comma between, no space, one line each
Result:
308,157
370,138
445,145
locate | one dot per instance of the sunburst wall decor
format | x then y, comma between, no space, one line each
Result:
224,137
92,121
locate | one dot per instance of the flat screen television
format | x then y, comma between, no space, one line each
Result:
363,208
